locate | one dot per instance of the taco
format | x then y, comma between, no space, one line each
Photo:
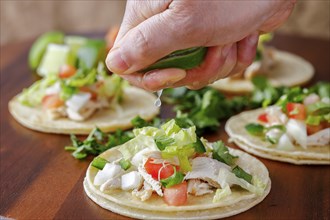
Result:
170,173
280,67
295,130
76,101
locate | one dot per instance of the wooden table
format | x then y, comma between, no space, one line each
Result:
42,181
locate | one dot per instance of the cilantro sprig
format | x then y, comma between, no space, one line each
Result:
99,141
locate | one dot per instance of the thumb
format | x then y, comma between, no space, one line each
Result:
146,43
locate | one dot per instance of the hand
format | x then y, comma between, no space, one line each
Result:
152,29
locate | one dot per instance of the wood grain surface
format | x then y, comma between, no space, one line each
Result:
39,180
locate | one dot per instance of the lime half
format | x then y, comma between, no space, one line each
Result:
182,59
39,47
55,56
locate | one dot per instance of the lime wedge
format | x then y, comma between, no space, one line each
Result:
39,47
55,56
91,53
182,59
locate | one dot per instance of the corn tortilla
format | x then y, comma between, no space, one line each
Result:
289,70
235,128
198,207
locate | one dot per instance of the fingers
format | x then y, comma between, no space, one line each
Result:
246,51
137,47
155,80
220,62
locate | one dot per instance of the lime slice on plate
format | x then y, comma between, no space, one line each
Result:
182,59
39,47
55,56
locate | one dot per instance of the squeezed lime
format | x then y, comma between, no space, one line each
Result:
182,59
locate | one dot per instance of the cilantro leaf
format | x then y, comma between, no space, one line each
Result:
240,173
221,153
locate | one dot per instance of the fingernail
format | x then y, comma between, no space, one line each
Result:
225,50
253,38
115,62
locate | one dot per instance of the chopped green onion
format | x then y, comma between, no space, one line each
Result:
240,173
99,163
125,164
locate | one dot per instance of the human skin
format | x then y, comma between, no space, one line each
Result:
152,29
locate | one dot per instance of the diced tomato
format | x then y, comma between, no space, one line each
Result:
263,118
296,111
51,101
67,71
176,195
86,89
165,170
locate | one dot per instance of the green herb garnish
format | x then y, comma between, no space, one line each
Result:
240,173
255,129
125,164
221,153
176,178
99,163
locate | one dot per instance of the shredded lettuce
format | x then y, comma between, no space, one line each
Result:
182,153
140,142
221,193
228,178
83,77
33,95
173,140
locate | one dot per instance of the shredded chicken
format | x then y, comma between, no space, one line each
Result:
321,138
155,185
113,183
143,193
197,187
85,112
206,169
55,113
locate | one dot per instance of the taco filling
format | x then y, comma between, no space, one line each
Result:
74,93
297,126
171,167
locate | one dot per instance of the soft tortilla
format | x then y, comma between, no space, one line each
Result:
135,102
235,128
289,70
198,207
